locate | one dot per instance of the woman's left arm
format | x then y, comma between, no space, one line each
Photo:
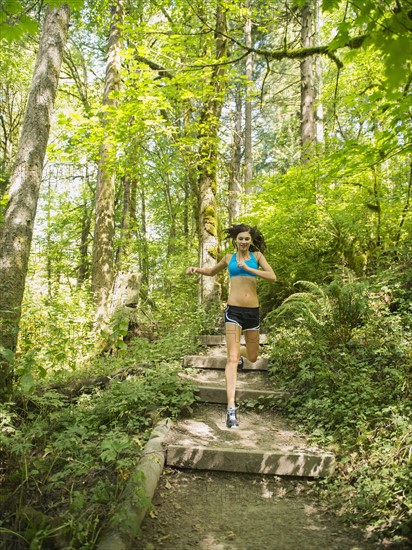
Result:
266,272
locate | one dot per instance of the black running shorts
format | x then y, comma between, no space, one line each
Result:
245,317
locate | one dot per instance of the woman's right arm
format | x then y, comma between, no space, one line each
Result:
209,271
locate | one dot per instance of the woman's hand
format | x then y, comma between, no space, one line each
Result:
209,271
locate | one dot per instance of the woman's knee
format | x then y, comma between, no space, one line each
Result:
233,358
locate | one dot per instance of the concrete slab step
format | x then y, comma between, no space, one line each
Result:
211,394
219,339
250,385
262,444
219,362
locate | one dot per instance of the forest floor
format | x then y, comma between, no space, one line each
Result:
232,511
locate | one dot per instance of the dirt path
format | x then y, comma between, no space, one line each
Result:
225,511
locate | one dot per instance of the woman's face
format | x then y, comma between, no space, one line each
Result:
243,240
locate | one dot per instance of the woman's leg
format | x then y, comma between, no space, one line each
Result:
233,332
252,345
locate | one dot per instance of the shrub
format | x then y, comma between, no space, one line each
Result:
347,362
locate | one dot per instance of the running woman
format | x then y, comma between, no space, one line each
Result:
242,310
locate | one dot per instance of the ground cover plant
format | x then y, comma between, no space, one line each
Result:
66,458
343,350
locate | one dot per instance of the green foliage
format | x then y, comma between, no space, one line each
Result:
14,22
332,313
118,329
329,5
55,333
3,200
7,354
16,66
346,360
380,473
388,30
74,458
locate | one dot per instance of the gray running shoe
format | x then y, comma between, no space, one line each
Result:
240,363
231,418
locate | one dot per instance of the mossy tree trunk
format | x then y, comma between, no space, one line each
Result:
123,249
320,131
144,245
248,102
208,156
191,177
17,229
307,96
84,264
235,183
103,249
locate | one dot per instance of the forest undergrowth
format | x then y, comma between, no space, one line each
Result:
344,351
72,437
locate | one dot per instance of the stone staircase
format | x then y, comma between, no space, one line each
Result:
262,444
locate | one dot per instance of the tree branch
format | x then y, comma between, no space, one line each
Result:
154,66
298,53
269,55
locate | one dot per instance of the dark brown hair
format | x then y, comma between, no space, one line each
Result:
258,242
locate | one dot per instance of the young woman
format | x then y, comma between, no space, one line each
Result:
242,310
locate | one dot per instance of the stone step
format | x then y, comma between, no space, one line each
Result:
219,362
262,444
211,386
219,339
212,394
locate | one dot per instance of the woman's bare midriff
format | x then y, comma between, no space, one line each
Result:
243,292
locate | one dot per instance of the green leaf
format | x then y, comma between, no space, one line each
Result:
27,382
329,5
342,36
7,354
10,7
73,4
14,23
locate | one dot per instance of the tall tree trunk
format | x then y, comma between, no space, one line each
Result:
405,209
103,249
84,267
235,183
133,205
17,229
186,189
191,170
307,86
171,241
49,270
122,249
377,207
320,133
83,272
209,124
248,103
144,248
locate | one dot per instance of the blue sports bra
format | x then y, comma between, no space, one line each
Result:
235,271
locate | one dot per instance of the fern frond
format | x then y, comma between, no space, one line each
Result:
311,286
302,308
300,297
